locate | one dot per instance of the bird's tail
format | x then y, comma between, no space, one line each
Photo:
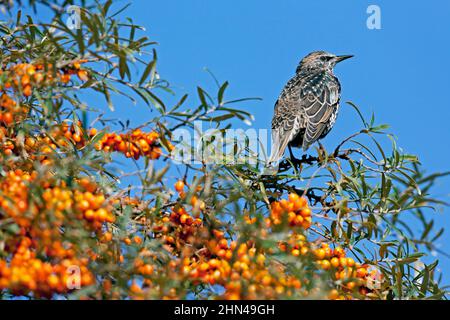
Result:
276,154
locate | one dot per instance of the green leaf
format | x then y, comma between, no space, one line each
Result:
411,258
425,280
221,92
149,69
201,95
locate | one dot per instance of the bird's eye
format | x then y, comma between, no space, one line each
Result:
326,58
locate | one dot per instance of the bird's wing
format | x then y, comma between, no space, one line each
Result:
286,124
319,105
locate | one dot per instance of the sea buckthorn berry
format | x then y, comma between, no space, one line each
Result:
179,186
351,285
325,264
361,272
137,239
92,132
293,197
304,251
83,75
320,253
350,262
107,236
334,262
306,212
333,295
338,251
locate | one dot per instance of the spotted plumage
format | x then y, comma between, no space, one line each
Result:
307,108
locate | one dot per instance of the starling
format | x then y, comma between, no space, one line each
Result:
307,107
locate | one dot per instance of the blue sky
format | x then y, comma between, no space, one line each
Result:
400,72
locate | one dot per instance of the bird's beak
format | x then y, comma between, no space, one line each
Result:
342,58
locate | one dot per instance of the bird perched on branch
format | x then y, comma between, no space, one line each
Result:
307,107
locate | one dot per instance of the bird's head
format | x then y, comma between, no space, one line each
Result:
320,60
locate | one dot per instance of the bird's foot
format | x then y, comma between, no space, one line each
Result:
289,163
321,148
296,162
308,159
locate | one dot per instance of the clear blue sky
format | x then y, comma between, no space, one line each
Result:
400,72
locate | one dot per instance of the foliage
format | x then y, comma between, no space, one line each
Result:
331,225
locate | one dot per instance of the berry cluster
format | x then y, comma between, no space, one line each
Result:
63,137
25,273
44,217
10,111
242,271
23,77
294,210
133,145
351,275
15,201
245,272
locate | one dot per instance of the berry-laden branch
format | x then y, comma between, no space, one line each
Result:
76,222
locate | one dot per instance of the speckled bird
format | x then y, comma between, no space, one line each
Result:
307,108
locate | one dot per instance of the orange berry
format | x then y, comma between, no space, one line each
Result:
135,288
299,204
299,220
53,281
325,264
351,285
83,75
7,118
204,267
107,236
147,269
27,90
333,295
179,186
25,80
89,214
306,222
84,205
184,218
350,262
306,212
223,243
334,262
339,252
38,77
361,272
102,214
194,200
293,197
266,280
228,255
137,240
76,137
320,253
65,78
92,132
